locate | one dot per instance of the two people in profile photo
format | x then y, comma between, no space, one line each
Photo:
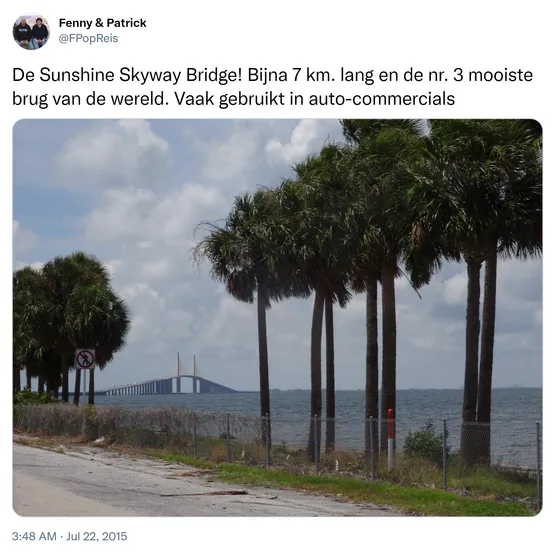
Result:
30,33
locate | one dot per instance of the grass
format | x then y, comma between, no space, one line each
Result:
414,485
412,499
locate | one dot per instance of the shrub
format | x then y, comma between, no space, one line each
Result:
425,443
26,396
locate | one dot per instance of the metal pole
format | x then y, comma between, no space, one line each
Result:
390,439
444,454
538,466
372,449
84,417
316,447
227,440
267,426
194,436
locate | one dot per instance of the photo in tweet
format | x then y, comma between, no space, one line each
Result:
229,314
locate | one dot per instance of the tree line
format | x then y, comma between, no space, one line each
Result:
394,198
67,304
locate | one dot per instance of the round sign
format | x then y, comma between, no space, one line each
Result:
85,359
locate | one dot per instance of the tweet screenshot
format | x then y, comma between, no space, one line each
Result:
276,261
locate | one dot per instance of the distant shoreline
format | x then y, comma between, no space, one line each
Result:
100,392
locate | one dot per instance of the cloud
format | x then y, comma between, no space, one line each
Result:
229,158
114,153
34,265
454,289
147,217
307,136
142,208
23,239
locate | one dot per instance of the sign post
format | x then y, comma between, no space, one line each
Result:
85,359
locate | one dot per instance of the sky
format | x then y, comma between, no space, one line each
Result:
132,191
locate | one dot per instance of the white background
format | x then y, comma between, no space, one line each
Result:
427,35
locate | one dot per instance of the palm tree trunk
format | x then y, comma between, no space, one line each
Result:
16,379
91,386
40,387
50,387
28,378
486,360
389,348
470,396
314,435
263,366
65,377
77,390
372,371
330,377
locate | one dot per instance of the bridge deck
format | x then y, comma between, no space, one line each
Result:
165,385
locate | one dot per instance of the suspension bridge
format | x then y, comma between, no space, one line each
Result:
173,384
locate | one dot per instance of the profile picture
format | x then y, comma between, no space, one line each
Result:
31,32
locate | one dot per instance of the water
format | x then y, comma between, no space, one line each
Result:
514,413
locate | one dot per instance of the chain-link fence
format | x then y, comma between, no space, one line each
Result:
493,461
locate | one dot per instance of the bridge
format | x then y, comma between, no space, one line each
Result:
168,385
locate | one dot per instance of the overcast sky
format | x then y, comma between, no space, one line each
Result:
132,191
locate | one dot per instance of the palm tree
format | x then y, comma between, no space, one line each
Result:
97,319
466,205
519,230
382,160
242,252
365,280
28,296
319,245
62,276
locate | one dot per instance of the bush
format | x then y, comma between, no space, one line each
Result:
26,396
425,443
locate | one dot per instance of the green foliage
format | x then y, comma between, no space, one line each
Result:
425,443
26,396
66,304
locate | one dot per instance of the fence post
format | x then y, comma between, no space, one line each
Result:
372,449
316,446
194,435
390,440
538,466
267,426
444,454
227,438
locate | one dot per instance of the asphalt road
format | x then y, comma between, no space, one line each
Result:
95,482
